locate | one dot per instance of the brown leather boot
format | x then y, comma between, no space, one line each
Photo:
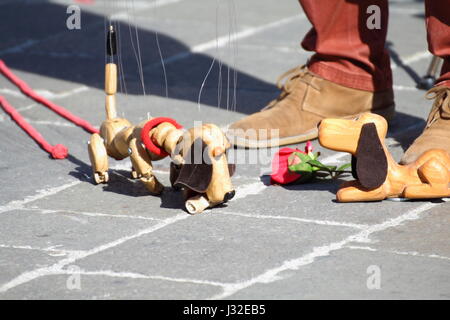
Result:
304,101
436,134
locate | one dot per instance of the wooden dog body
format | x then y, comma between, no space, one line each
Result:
377,174
206,180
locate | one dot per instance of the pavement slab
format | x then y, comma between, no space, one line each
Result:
215,247
345,275
428,236
63,230
19,259
110,287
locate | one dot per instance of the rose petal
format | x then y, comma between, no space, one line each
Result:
280,171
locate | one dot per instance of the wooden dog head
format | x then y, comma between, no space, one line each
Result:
363,137
204,169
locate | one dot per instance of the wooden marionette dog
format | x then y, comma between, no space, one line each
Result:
199,162
377,174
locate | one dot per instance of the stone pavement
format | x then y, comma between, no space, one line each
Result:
270,242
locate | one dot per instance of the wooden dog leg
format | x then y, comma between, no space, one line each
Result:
143,166
435,177
152,184
99,158
134,173
352,191
427,191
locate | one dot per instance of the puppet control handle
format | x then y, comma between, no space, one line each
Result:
111,75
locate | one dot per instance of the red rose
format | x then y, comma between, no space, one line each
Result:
280,171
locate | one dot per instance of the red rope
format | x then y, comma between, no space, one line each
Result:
58,151
54,107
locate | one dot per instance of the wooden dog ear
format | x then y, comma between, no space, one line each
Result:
354,162
371,164
192,175
231,169
174,174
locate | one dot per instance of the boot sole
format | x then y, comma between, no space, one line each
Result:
387,113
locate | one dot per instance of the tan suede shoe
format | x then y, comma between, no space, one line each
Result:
305,100
436,134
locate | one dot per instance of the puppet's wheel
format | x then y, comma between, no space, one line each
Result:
97,178
101,178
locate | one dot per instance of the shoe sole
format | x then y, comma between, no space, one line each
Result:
387,113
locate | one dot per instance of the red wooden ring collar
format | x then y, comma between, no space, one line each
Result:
149,143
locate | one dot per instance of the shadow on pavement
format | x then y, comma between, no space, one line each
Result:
330,185
120,182
399,62
42,44
405,128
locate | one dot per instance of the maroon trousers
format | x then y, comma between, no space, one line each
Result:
350,53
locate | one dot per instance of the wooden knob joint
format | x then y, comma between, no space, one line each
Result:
377,175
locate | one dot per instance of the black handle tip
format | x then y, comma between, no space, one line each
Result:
111,42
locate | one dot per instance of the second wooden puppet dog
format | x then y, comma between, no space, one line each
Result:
377,174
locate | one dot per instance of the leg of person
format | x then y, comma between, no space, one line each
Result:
436,134
348,74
